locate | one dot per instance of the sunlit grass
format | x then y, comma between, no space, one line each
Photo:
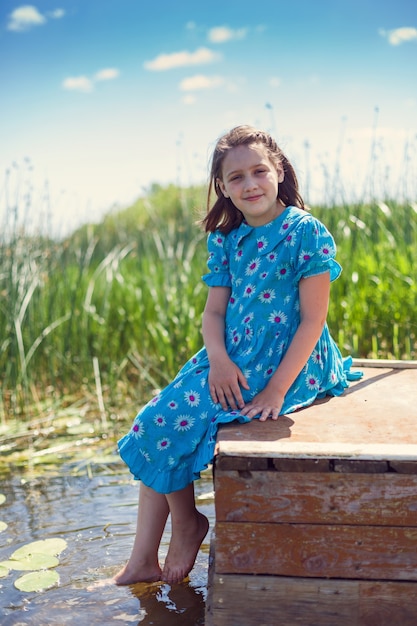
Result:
111,313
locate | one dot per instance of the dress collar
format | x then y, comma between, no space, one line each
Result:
270,234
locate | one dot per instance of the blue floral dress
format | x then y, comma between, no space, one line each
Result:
173,437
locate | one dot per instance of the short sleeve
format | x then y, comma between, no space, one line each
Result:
217,263
316,251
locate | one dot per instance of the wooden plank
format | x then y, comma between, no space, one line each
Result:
331,450
360,467
375,419
246,600
330,551
301,465
210,581
385,363
241,463
388,499
403,467
336,465
385,604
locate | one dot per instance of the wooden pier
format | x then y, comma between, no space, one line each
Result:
316,514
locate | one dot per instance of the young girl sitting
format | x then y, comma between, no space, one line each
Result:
267,349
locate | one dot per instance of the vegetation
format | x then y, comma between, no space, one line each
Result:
37,558
104,317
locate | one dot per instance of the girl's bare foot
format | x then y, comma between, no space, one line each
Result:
140,573
183,548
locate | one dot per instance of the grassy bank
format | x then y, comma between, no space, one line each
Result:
110,313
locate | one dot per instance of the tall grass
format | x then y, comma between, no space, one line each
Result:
373,304
126,294
117,306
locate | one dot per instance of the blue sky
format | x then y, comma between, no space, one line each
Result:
100,98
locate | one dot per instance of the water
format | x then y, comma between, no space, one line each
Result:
96,515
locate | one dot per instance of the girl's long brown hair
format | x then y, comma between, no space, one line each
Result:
223,215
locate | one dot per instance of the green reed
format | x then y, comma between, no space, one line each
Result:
116,308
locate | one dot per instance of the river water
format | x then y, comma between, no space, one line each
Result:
95,513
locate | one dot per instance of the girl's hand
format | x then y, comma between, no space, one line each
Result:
267,402
314,299
225,380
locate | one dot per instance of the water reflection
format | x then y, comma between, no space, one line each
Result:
183,603
97,517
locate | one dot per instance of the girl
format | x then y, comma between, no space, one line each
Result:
267,349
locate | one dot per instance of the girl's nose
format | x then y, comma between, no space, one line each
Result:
250,183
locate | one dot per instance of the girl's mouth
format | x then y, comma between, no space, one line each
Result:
253,198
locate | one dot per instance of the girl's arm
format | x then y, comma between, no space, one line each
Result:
225,378
314,302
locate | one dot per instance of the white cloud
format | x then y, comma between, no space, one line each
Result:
189,99
198,82
85,84
25,17
56,14
78,83
181,59
400,35
221,34
108,73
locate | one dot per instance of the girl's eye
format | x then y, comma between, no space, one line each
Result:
235,178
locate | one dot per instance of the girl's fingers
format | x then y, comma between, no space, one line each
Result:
264,415
227,398
231,400
221,398
263,412
243,381
238,401
213,394
222,395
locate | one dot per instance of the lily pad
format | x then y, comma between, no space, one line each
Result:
3,570
35,561
2,498
3,526
51,547
37,581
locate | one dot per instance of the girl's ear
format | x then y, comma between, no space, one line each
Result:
280,172
222,187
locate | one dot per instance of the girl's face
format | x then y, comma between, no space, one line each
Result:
250,180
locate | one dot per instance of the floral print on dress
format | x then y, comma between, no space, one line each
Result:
173,437
192,398
278,317
160,420
184,422
253,267
267,296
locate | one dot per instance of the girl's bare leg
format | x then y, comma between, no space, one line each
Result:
143,564
189,527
